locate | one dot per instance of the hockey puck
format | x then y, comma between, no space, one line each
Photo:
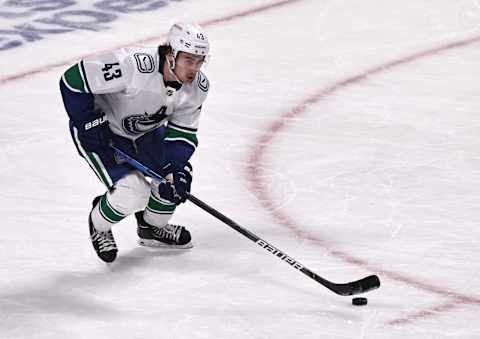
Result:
359,301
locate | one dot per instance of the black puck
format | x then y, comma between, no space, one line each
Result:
359,301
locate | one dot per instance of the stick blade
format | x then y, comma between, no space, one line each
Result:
366,284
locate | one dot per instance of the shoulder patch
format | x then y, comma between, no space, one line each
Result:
145,62
203,82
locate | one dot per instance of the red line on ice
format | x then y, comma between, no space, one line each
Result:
255,179
259,188
212,22
429,312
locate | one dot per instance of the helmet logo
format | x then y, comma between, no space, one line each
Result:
189,38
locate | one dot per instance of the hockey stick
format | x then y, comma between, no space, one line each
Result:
355,287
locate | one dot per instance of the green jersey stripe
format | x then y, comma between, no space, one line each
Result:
73,79
181,128
175,134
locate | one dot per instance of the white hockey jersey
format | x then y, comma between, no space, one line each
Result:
128,86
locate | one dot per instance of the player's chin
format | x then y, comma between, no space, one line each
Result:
189,78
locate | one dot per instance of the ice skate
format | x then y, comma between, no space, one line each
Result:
169,236
103,242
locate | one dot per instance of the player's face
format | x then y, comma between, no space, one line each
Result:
187,65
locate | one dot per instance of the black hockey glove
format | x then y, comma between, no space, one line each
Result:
94,135
179,181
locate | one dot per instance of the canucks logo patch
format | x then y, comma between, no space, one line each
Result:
142,123
203,83
145,62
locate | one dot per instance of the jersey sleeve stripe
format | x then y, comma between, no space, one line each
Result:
194,145
173,134
181,128
84,77
65,82
73,79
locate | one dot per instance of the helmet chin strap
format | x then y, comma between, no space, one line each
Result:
171,69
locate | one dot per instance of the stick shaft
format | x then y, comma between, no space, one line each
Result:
355,287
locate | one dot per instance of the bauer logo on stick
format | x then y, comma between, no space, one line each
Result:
279,254
359,301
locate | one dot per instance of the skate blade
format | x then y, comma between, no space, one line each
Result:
157,244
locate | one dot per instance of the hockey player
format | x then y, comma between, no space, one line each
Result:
147,102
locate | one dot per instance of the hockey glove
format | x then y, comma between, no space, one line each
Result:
94,135
179,181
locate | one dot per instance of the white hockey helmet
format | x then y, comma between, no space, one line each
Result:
190,38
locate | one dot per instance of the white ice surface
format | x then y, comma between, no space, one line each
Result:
381,176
